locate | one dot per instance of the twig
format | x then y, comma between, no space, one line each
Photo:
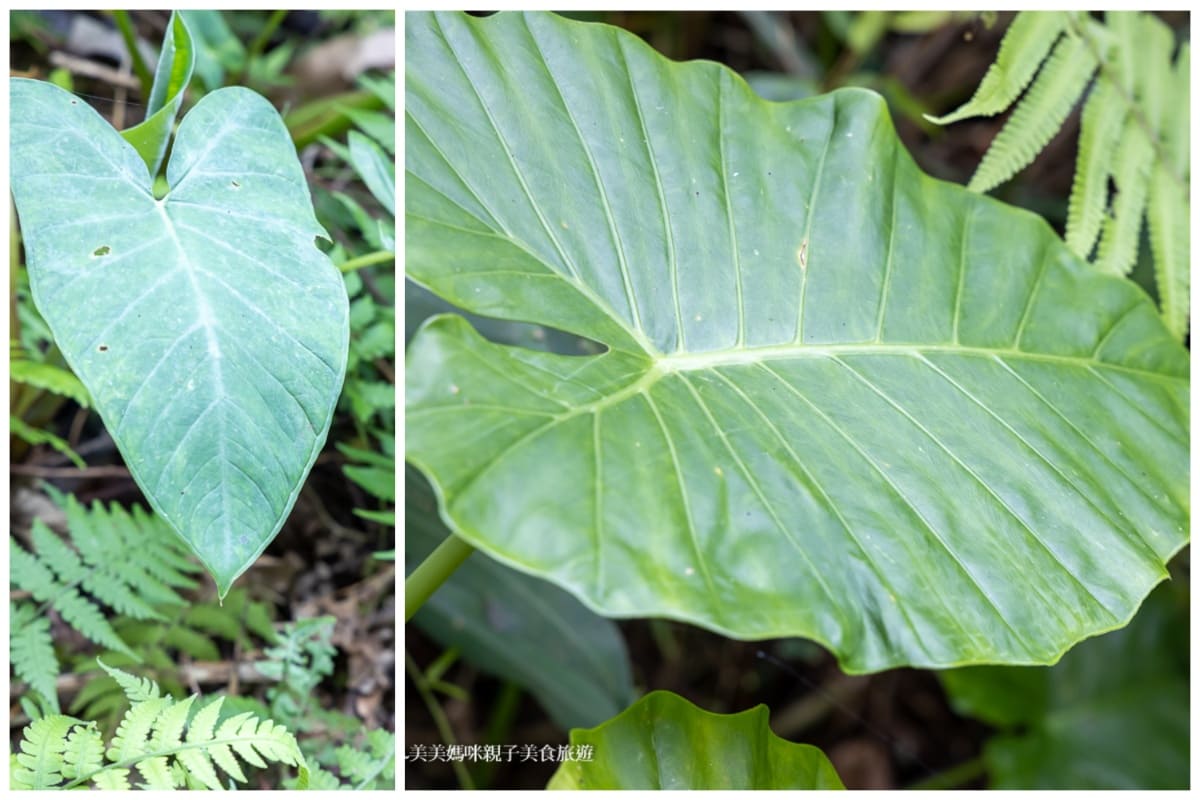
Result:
385,369
81,416
814,706
92,69
327,519
69,472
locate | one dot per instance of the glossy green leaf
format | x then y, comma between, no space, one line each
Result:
171,77
1113,714
664,742
209,330
520,628
838,399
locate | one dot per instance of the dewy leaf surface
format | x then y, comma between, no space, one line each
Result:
840,400
209,329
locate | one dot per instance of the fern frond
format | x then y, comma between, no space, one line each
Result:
32,574
110,555
151,740
59,752
31,651
1038,115
126,554
1101,122
364,767
1023,48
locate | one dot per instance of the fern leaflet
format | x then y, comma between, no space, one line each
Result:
1024,47
1170,240
112,560
35,436
40,762
1103,114
31,650
1119,241
54,379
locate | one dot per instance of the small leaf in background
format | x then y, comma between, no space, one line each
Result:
218,50
375,168
380,127
664,742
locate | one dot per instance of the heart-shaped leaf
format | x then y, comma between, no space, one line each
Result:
840,400
664,742
207,326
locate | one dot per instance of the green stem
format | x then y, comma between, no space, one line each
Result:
145,77
499,726
439,716
433,572
953,777
378,257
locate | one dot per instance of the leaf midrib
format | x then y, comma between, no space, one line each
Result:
208,322
690,362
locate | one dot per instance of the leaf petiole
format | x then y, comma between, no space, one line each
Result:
378,257
433,572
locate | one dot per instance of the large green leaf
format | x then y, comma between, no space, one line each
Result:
664,742
1113,714
521,628
840,399
207,326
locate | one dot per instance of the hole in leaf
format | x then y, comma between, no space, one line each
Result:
235,184
102,250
